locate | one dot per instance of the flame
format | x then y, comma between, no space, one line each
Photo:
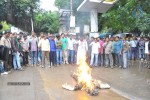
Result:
84,74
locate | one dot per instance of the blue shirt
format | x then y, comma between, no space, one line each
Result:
52,45
118,46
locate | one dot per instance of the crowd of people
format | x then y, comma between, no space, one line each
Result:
48,50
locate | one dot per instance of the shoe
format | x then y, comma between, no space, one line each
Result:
32,65
49,66
112,67
21,69
106,66
42,66
142,59
4,73
119,66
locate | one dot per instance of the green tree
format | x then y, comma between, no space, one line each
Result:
5,26
47,21
120,17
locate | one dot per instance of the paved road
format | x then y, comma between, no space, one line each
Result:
45,84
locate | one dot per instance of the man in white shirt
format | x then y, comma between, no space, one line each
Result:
82,50
44,45
71,50
147,52
133,44
95,51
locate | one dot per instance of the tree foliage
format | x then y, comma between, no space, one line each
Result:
18,12
5,25
46,21
120,17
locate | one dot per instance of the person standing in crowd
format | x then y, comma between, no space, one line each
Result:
125,52
44,45
113,51
117,51
129,50
82,49
101,56
133,44
58,50
89,41
40,51
25,47
64,48
94,53
141,47
17,51
147,52
6,42
2,71
71,50
33,46
108,48
52,51
75,46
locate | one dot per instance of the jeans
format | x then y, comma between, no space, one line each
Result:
16,61
141,53
133,52
109,60
125,59
94,62
129,53
25,58
71,56
59,56
118,59
34,57
100,59
65,56
40,55
52,57
1,68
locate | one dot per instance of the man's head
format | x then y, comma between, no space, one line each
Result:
62,35
117,38
95,40
33,33
25,37
7,34
58,37
49,35
44,36
41,34
53,37
107,39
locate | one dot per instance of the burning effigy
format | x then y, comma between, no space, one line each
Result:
84,79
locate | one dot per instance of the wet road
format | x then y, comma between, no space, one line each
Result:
45,84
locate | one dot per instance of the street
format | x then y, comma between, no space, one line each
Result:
46,84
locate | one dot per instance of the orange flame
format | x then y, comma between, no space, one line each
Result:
84,73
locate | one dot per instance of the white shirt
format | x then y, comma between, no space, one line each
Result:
146,47
44,45
95,47
70,44
133,43
82,46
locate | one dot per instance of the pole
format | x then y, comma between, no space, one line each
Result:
32,25
71,8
